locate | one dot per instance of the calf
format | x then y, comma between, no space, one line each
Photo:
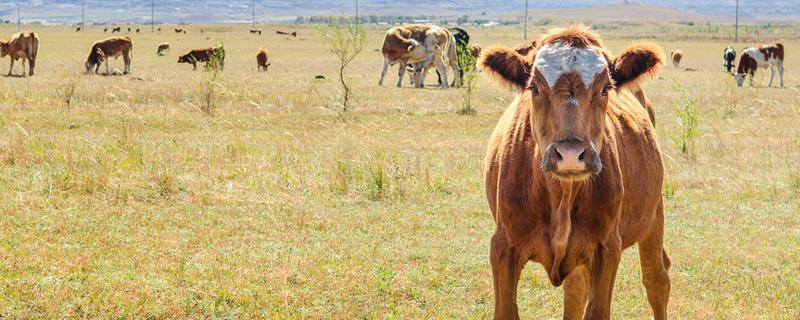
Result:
202,55
107,48
574,172
163,48
729,55
676,56
753,58
23,46
399,47
262,56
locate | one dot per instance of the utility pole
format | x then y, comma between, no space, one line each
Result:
83,15
526,19
152,16
357,22
736,39
19,20
254,14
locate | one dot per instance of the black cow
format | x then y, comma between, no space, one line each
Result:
729,56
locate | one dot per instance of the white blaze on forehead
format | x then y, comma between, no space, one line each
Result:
555,59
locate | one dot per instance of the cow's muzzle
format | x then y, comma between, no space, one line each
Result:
571,159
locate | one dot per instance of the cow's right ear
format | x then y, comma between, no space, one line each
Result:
507,67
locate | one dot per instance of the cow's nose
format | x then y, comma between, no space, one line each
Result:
570,157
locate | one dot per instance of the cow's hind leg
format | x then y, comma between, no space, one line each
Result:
31,64
655,266
127,59
507,264
401,72
11,68
576,290
771,75
780,72
383,71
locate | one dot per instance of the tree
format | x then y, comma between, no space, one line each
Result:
346,41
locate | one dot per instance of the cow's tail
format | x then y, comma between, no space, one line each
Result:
780,50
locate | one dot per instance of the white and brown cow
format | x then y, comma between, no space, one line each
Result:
574,172
753,58
23,45
432,36
399,47
163,48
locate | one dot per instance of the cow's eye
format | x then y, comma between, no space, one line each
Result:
535,90
605,91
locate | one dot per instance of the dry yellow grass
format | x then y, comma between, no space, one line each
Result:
131,203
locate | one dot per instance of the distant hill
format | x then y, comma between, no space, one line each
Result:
620,12
208,11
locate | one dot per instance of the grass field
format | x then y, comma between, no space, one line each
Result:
121,198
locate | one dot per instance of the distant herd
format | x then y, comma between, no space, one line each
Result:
416,48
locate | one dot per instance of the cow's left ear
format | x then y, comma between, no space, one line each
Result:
635,64
507,67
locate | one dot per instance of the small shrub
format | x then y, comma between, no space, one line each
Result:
67,91
687,120
215,65
345,41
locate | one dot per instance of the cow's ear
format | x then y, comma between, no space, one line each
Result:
635,64
507,67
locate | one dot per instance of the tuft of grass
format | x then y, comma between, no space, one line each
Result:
687,120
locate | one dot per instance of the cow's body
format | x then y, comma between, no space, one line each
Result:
728,56
254,31
676,56
163,48
262,58
199,55
23,45
575,214
179,30
768,56
293,33
399,47
107,48
116,29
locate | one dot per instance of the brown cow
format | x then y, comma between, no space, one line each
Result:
116,29
399,47
574,172
767,56
523,48
200,55
262,55
474,50
163,48
107,48
179,30
432,36
23,46
676,56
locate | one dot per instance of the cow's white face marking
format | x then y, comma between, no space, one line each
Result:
555,59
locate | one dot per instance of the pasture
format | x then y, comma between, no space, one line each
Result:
125,197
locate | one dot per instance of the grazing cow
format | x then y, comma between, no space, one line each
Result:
137,30
676,56
753,58
262,55
294,34
105,49
574,172
78,29
254,31
105,29
179,30
431,36
163,48
116,29
23,45
129,29
159,29
201,55
729,55
399,47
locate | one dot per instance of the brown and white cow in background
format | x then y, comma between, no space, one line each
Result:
574,172
753,58
676,56
432,36
105,49
23,45
163,48
399,47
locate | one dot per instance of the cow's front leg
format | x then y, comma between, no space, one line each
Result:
11,68
603,273
507,264
771,75
576,290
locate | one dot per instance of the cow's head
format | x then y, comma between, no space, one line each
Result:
567,80
95,58
186,58
417,51
739,77
4,48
